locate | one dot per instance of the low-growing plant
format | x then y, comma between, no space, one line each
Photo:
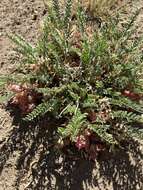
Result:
88,78
97,8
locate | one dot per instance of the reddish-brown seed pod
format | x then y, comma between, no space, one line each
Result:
92,116
132,95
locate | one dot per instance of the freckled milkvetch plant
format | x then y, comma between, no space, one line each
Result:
100,8
86,77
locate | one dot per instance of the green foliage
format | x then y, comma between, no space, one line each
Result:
82,69
75,125
101,131
128,104
126,116
24,48
39,111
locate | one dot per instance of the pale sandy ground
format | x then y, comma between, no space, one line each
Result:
24,158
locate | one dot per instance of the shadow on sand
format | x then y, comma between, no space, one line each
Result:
50,170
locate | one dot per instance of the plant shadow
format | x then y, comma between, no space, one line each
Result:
48,169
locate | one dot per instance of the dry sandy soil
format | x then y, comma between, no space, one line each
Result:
26,161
